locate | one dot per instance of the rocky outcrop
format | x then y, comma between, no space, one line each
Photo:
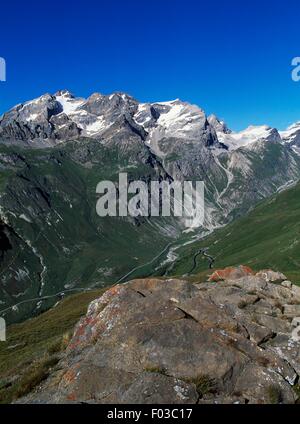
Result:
172,341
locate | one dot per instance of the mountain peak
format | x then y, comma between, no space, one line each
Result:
291,136
218,125
64,93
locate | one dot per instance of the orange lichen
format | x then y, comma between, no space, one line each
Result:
70,375
231,273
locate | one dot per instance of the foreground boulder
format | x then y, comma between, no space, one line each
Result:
172,341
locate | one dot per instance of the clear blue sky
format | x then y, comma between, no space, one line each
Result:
232,58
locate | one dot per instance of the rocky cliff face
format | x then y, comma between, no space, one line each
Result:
232,339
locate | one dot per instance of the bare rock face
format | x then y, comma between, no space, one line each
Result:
41,121
172,341
218,125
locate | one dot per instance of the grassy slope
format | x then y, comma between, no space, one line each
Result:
29,340
267,237
78,248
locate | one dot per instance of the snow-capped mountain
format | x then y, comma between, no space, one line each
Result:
54,118
51,119
188,143
245,138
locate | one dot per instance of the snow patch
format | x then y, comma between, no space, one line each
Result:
290,133
246,137
96,126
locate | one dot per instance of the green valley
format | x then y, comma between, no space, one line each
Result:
268,237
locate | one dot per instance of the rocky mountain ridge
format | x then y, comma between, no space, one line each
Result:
187,143
51,119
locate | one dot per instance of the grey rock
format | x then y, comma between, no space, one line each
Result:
154,388
296,292
277,325
291,311
262,385
288,349
287,284
271,276
296,322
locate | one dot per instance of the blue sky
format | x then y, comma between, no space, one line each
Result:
231,58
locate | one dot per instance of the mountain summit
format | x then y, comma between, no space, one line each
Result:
51,119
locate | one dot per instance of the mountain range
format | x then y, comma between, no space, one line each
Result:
55,149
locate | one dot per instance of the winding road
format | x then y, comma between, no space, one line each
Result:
202,252
37,299
146,264
63,292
